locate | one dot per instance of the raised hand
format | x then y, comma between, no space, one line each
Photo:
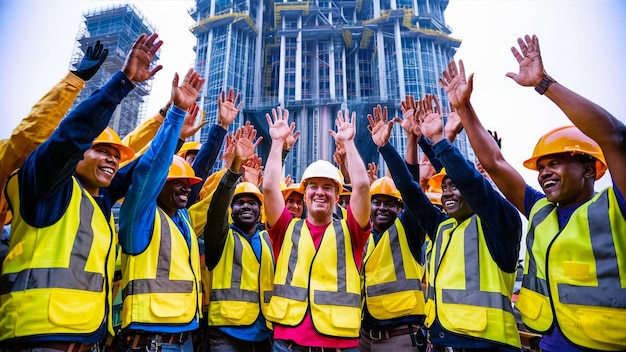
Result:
372,172
185,95
291,138
229,150
431,121
410,111
252,170
340,154
453,126
279,128
137,64
531,69
288,181
227,107
91,62
245,143
458,88
380,126
345,127
189,127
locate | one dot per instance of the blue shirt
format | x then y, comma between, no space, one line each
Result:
140,205
46,176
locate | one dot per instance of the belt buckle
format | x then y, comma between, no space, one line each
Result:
154,343
376,338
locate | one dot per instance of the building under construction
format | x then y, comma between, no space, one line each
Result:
316,57
116,27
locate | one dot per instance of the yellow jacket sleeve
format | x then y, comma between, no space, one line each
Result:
144,133
34,129
198,211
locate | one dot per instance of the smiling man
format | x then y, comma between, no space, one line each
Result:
55,288
161,288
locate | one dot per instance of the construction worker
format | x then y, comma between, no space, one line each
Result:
160,262
573,291
394,301
475,245
239,258
316,302
43,118
294,199
55,287
189,150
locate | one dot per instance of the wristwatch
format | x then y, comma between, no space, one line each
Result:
543,85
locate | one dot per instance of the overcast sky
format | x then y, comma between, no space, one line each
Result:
581,42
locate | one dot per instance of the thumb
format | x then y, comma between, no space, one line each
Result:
175,81
470,82
511,75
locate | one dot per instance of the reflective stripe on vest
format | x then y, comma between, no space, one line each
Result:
235,293
339,298
530,279
430,291
162,282
401,283
472,275
609,292
33,278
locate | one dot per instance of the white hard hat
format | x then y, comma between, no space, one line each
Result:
323,168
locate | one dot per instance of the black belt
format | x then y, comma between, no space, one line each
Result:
379,335
135,340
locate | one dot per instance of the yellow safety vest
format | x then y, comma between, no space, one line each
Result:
467,292
161,285
326,281
393,278
237,280
56,280
577,274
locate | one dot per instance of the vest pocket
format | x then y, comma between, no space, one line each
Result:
529,303
75,308
345,317
603,325
466,318
278,308
234,314
167,306
401,302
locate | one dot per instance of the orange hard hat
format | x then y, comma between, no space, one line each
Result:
110,137
435,181
248,188
567,139
188,147
386,186
434,195
180,169
288,190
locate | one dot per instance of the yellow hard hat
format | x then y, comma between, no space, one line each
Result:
347,190
567,139
189,146
288,190
110,137
323,168
435,180
248,188
181,169
386,186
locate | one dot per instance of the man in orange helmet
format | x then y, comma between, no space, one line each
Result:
573,291
389,277
55,284
154,224
239,257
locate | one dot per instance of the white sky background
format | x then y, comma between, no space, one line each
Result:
581,41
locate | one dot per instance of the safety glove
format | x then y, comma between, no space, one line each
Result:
92,61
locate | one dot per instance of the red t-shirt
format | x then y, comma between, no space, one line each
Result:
305,334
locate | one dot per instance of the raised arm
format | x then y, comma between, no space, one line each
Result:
279,131
508,180
360,198
590,118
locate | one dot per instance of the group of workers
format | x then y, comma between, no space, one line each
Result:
247,260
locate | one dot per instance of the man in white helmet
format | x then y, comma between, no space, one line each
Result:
316,302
